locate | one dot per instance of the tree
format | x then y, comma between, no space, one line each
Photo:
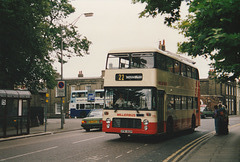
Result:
169,8
31,40
212,30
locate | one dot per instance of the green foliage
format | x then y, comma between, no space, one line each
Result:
169,8
30,33
212,30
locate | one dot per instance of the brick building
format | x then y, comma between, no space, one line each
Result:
212,92
78,83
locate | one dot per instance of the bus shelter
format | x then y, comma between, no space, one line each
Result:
14,112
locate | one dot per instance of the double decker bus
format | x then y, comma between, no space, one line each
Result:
150,92
82,101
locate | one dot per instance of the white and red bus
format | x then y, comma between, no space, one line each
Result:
150,92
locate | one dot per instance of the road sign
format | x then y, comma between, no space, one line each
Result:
4,102
61,89
91,97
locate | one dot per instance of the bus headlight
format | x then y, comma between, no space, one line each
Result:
108,120
108,125
145,127
145,122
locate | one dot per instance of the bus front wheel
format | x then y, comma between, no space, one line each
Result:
123,136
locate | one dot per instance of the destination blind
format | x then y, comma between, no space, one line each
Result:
128,77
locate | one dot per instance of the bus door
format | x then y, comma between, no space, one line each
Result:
160,111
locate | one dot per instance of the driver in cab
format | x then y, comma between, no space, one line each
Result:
120,102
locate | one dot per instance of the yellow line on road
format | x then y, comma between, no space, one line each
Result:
187,145
178,154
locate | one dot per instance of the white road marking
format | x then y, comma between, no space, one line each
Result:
34,152
87,139
129,151
118,157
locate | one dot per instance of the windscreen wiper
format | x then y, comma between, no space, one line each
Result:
115,108
137,111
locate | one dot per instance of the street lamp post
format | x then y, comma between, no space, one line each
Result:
90,14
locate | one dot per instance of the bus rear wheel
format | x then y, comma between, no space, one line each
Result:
193,125
170,128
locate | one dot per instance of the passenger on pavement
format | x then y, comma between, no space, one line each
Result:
223,119
216,119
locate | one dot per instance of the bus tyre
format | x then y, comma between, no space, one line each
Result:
170,128
193,125
87,130
123,136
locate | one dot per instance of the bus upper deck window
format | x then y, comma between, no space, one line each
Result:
110,66
177,67
73,95
161,62
142,60
169,64
195,73
183,70
189,71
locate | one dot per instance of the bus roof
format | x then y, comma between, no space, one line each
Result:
152,49
79,91
99,90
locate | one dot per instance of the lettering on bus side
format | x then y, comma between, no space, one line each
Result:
162,83
130,115
128,77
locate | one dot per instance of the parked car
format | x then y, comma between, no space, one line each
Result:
93,120
206,112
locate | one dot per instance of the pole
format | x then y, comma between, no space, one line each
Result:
74,22
45,112
61,78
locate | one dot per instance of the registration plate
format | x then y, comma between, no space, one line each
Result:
93,121
126,131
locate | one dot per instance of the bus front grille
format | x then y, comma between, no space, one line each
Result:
126,123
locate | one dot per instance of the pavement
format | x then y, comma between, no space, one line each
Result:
222,148
53,126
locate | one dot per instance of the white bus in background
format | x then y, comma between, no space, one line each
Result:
82,101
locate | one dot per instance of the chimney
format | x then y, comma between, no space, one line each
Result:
103,74
162,46
80,74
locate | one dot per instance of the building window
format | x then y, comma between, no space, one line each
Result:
88,88
73,88
57,108
226,89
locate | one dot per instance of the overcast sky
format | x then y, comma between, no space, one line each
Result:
116,24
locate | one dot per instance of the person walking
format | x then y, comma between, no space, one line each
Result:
223,119
216,119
